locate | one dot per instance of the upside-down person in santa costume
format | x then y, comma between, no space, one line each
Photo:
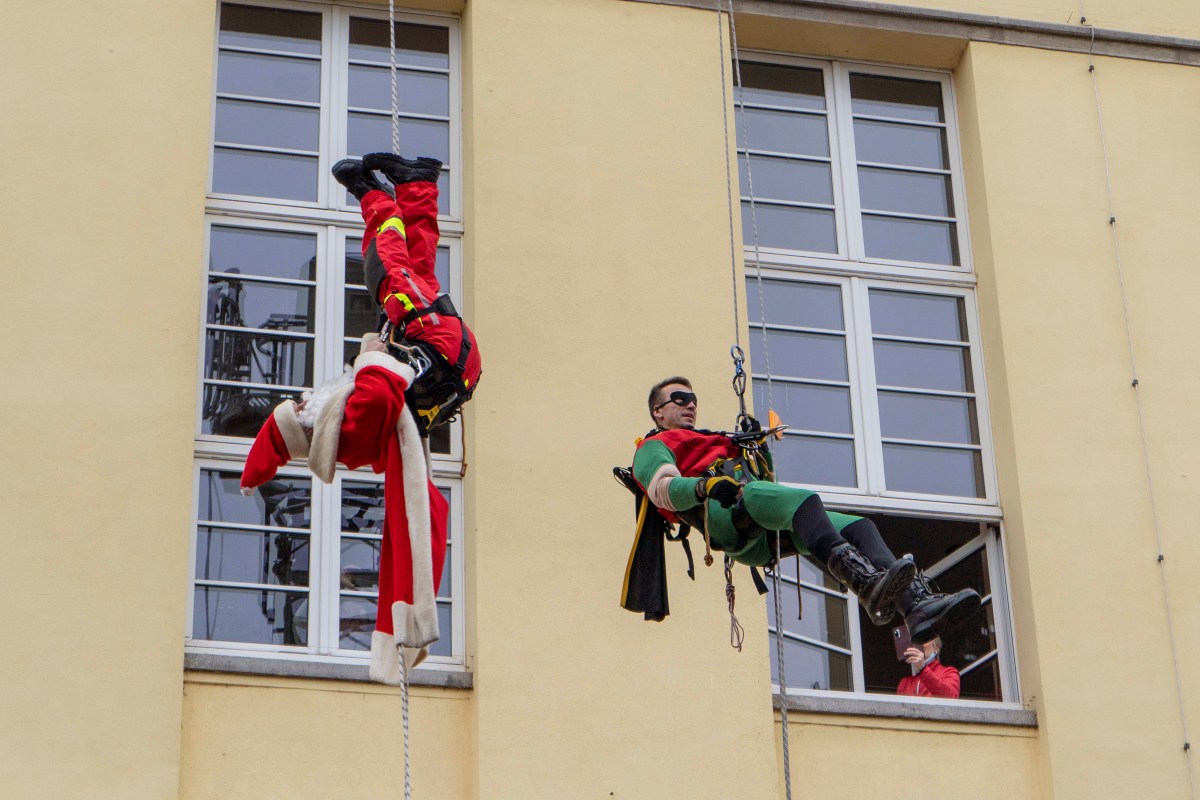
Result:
382,409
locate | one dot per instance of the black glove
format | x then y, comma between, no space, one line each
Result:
724,490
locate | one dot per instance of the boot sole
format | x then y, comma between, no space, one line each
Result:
955,616
898,576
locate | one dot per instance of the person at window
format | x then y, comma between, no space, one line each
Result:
365,416
930,678
674,466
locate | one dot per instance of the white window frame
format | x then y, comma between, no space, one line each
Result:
332,222
848,211
857,274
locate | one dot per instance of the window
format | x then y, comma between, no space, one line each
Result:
292,572
864,338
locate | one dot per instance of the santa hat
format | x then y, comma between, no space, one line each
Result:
280,439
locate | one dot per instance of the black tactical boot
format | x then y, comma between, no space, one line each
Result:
349,172
928,614
877,590
404,170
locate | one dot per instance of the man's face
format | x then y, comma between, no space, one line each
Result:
669,414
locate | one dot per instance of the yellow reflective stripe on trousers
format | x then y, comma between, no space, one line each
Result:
396,224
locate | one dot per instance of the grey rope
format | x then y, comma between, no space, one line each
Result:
783,696
737,325
392,65
1136,384
404,720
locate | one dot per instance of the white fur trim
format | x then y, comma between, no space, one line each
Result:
366,340
291,429
415,625
322,455
385,658
315,400
374,358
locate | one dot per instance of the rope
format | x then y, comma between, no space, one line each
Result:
737,324
404,717
392,64
787,763
1141,417
737,634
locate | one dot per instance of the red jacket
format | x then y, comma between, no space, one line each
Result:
936,680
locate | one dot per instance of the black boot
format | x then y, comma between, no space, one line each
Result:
349,172
404,170
877,590
928,614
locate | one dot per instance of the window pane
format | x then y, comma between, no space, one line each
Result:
810,408
906,192
442,647
803,305
785,179
362,507
812,461
771,84
896,97
789,228
933,470
233,411
356,622
928,418
250,615
247,304
418,92
282,502
270,29
923,366
900,144
371,133
275,77
802,355
783,132
362,314
360,564
252,556
920,316
267,125
824,617
273,254
416,45
235,356
256,174
910,240
809,667
981,683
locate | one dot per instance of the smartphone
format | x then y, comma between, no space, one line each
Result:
902,640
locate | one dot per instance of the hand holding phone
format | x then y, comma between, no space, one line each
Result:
903,642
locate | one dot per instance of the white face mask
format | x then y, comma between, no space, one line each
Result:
932,656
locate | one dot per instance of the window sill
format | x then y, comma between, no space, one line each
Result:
288,668
941,711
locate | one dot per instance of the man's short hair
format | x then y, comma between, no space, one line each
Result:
658,387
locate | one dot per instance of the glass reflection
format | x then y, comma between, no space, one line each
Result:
933,470
270,29
789,228
783,132
771,84
922,366
809,461
236,411
916,315
250,615
801,305
252,556
923,241
416,45
267,125
815,356
928,418
900,144
267,253
238,356
824,617
787,179
257,174
274,77
418,92
235,301
881,96
905,192
811,667
806,407
370,133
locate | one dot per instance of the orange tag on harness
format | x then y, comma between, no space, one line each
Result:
773,421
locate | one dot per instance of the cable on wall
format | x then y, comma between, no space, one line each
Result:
1136,385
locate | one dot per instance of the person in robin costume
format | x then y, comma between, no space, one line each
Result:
701,478
380,411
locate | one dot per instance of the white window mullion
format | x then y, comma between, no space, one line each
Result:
335,109
843,190
982,412
842,121
456,145
853,618
867,389
958,191
1006,644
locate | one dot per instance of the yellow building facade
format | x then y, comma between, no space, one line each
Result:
162,156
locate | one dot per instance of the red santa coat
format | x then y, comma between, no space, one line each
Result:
936,680
366,423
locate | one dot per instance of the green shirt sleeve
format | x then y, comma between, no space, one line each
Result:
651,457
